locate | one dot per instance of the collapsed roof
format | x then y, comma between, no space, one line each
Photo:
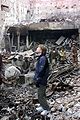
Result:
41,26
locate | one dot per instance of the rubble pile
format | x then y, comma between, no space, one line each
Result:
16,102
19,102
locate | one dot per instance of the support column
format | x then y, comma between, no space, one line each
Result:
12,39
27,41
9,42
18,38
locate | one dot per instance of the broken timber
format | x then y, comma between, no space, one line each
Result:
53,79
60,72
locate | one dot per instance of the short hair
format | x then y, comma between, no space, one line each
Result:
43,48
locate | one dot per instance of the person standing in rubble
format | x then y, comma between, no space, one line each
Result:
40,79
74,54
62,55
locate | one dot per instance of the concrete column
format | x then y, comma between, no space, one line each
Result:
9,42
27,41
18,38
12,39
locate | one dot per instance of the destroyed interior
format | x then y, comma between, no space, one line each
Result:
18,94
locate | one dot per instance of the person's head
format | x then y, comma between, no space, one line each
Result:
41,49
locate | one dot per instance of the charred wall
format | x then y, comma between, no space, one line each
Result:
51,35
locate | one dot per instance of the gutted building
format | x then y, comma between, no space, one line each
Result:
12,12
41,20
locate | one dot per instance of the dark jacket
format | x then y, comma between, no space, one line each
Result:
41,71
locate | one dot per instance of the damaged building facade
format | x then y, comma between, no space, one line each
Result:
11,12
48,19
4,8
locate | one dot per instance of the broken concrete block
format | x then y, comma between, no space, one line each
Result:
12,72
60,40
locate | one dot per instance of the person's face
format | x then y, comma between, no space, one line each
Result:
38,51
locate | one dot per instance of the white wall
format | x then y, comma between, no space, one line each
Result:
18,11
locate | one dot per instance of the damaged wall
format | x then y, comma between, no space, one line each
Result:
35,10
4,7
18,12
13,12
22,12
66,9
